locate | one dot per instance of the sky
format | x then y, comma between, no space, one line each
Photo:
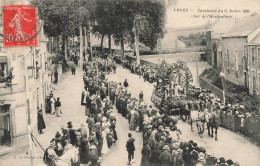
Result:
176,19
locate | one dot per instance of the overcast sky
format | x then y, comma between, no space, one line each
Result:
184,19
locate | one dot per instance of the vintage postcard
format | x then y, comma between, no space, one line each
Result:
130,82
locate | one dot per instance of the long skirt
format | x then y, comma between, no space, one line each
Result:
132,122
52,108
87,111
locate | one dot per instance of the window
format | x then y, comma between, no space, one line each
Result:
236,60
253,55
3,66
258,55
245,58
259,81
227,58
254,83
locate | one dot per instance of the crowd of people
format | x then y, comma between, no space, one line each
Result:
162,141
94,138
233,116
53,105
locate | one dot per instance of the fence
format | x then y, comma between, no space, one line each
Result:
218,92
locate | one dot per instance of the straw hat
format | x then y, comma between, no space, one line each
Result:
166,147
160,127
179,151
201,155
93,147
149,126
104,119
52,144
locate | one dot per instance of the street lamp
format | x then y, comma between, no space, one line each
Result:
223,76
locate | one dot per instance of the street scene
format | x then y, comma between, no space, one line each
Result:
140,83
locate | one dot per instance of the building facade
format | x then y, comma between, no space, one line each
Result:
20,98
253,54
233,55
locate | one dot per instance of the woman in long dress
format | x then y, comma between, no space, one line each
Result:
104,133
52,105
132,120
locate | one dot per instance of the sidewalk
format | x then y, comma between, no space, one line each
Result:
69,90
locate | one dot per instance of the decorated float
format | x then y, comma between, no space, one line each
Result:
172,84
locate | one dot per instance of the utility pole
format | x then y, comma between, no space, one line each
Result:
197,70
28,107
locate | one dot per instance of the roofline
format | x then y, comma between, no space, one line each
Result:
234,36
253,44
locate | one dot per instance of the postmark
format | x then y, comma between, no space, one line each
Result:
19,26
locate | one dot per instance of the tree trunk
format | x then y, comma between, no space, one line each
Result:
58,45
90,46
101,44
81,45
63,45
122,48
51,43
109,43
86,40
136,33
66,48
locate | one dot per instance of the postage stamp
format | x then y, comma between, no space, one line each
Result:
20,26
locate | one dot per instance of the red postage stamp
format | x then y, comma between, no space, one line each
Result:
20,26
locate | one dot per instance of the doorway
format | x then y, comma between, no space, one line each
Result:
5,129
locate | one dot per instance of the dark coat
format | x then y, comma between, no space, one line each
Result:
41,123
84,151
99,137
126,84
130,145
166,158
146,155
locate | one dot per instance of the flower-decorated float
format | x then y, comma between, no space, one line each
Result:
172,84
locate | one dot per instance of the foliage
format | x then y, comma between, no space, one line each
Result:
62,17
106,17
194,39
58,58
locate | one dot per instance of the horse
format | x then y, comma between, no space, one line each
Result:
69,157
212,120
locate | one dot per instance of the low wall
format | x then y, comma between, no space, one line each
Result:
218,92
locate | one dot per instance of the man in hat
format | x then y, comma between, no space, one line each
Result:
141,96
72,134
126,83
165,156
99,139
201,159
73,70
130,148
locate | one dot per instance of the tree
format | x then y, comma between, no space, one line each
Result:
128,21
65,18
